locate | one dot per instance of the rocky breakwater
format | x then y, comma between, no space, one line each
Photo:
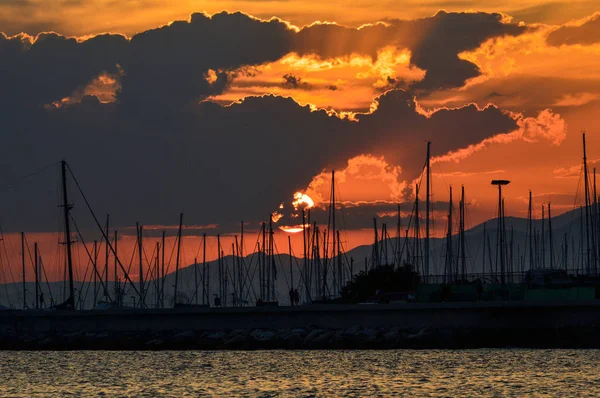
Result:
304,338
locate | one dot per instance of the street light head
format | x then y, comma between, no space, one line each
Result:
500,182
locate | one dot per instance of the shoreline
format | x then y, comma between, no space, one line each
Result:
387,326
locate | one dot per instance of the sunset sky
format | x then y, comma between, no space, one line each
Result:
223,110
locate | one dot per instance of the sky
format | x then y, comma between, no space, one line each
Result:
223,110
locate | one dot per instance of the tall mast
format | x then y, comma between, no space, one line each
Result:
291,269
398,228
263,284
23,270
241,262
462,234
587,208
304,255
106,254
339,261
66,208
157,275
449,254
333,217
37,276
177,258
566,252
596,225
95,273
550,237
272,253
162,270
501,230
375,245
543,239
484,243
141,267
205,273
220,267
196,281
118,295
530,226
427,201
417,227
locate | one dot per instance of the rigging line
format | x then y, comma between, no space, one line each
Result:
249,279
20,179
6,243
171,256
94,266
47,281
130,265
100,228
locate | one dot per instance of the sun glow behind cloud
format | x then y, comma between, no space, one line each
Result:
345,83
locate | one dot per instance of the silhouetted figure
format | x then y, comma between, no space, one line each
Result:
296,297
42,303
292,297
217,301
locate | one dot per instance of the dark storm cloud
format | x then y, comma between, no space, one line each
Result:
165,66
435,42
218,164
588,33
158,151
53,66
402,130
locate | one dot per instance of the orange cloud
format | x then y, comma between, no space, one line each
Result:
346,83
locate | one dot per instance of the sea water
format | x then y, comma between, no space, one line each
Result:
448,373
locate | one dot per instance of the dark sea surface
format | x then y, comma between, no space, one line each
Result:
508,372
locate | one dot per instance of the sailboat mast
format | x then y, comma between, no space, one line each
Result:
530,226
37,276
106,258
304,255
220,266
66,209
427,203
95,273
484,243
157,278
449,254
462,235
162,270
417,227
118,295
196,280
375,245
177,258
263,282
543,239
241,262
587,208
272,256
141,266
333,228
291,269
550,237
205,274
596,225
339,262
399,238
23,270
